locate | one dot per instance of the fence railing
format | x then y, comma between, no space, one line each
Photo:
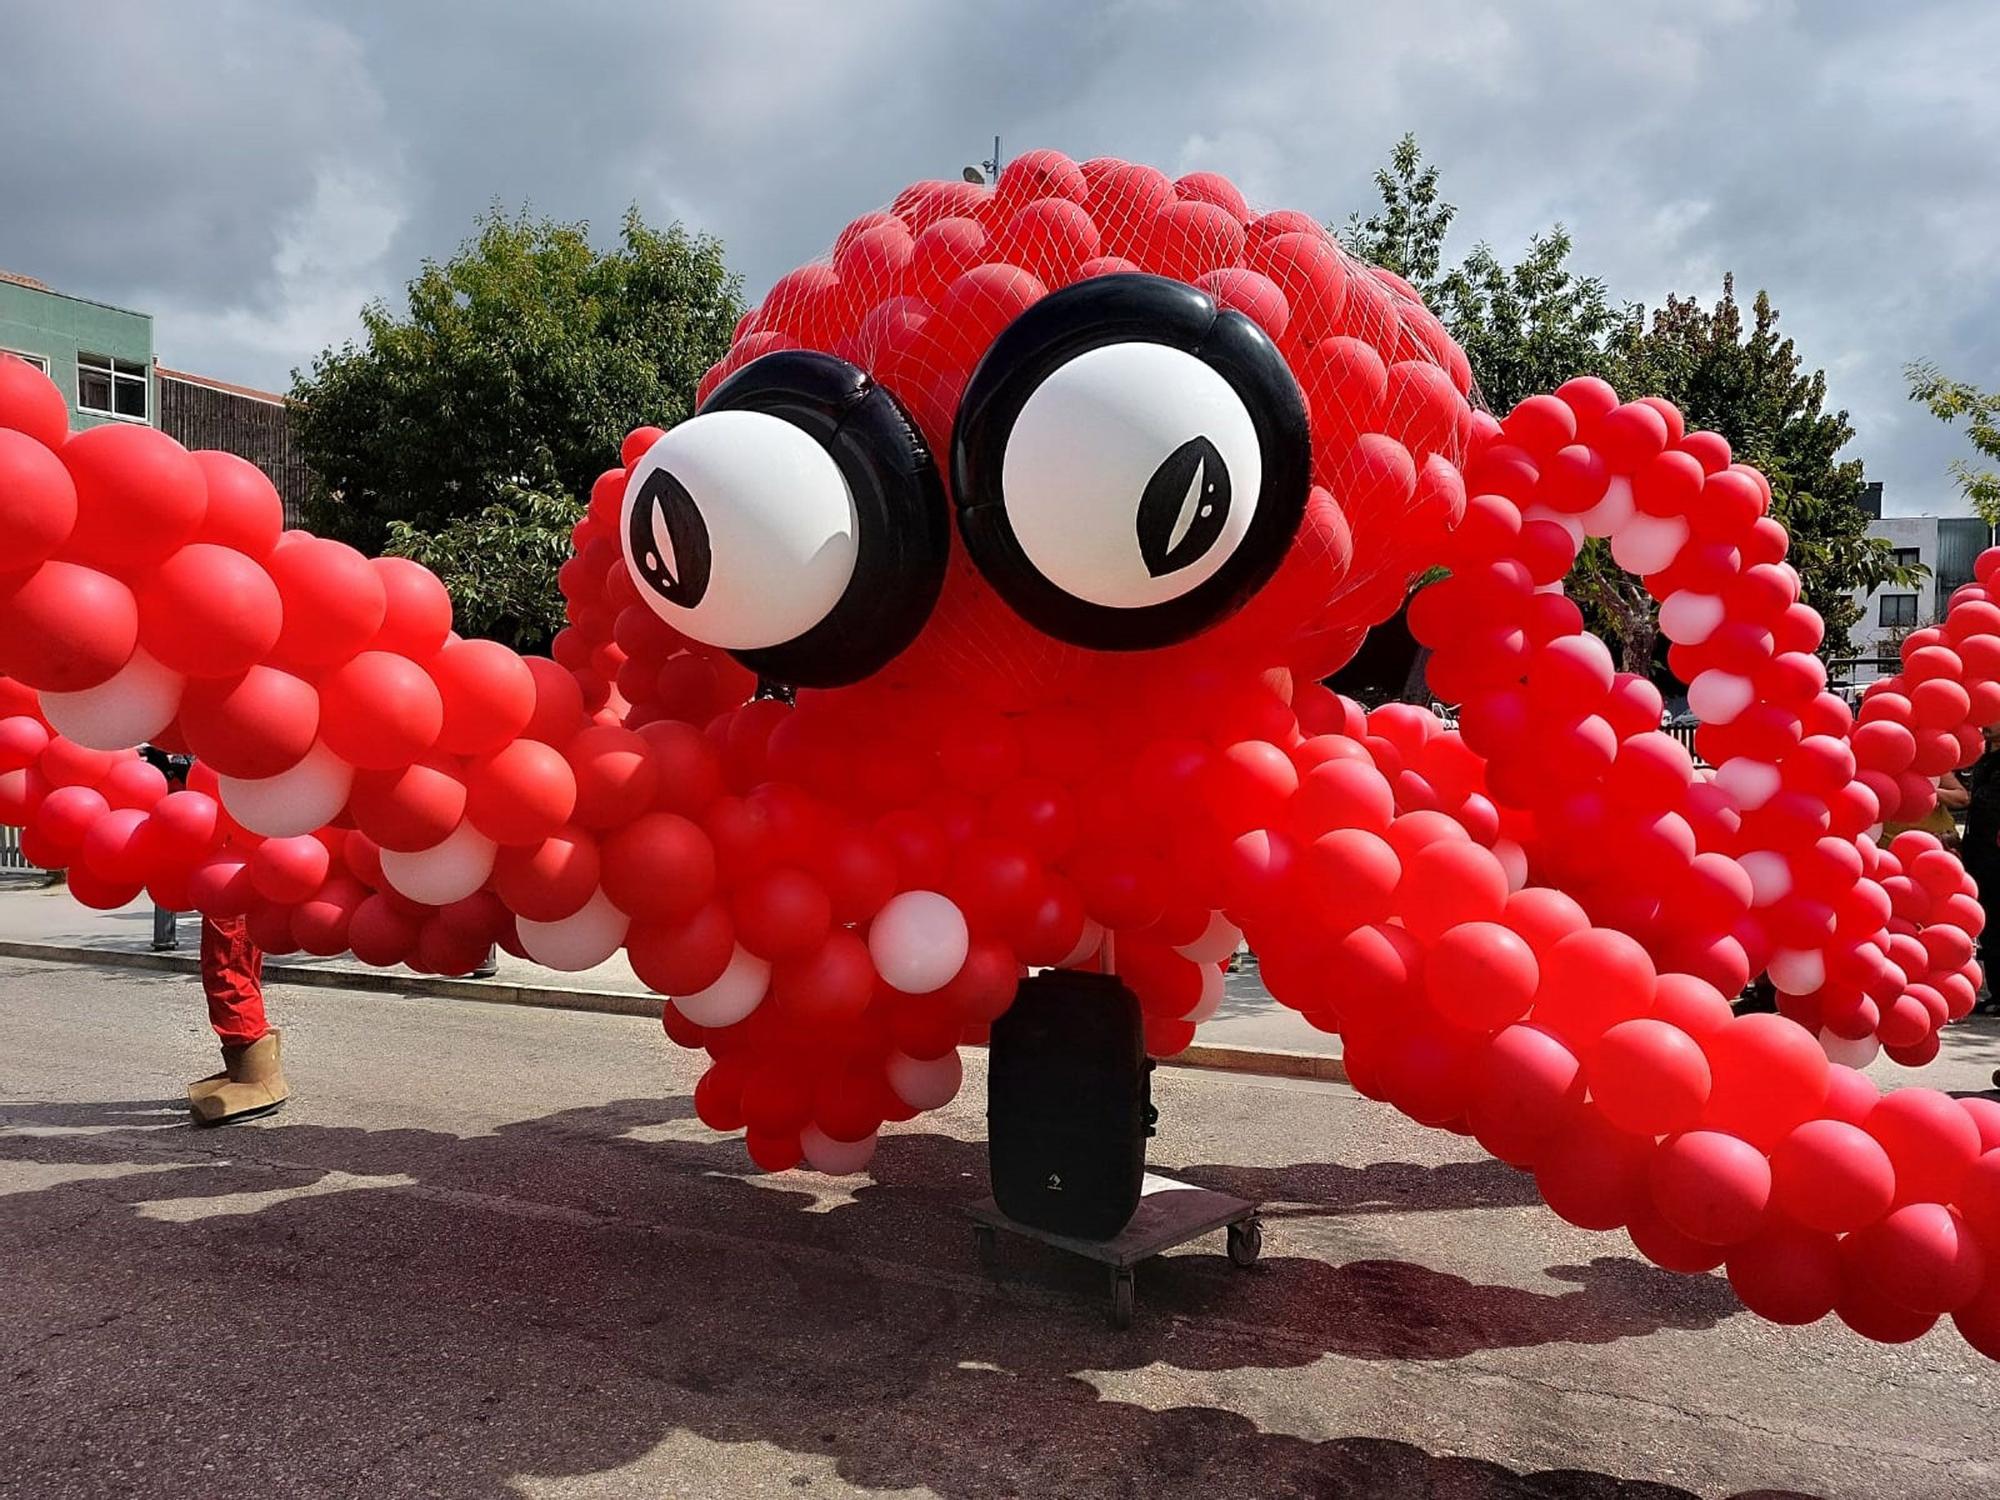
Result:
11,857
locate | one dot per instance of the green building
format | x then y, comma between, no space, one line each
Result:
100,357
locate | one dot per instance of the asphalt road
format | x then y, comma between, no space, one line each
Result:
488,1251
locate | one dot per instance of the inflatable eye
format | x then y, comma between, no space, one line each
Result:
1130,463
797,522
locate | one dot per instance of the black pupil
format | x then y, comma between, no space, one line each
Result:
1184,507
677,570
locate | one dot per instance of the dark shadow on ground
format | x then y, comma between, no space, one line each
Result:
559,1297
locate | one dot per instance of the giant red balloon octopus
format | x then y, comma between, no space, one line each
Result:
1056,500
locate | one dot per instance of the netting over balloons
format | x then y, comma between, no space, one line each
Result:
1054,501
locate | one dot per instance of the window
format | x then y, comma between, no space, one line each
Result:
110,387
1906,557
1899,609
34,359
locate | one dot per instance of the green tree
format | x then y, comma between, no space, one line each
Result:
1530,326
1751,385
499,563
1956,401
1406,235
520,365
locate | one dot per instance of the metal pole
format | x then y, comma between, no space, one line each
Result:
166,930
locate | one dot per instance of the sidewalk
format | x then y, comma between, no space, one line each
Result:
1251,1032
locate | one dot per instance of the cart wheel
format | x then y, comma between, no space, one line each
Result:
1246,1242
988,1245
1123,1296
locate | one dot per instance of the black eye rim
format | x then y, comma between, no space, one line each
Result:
902,516
1128,308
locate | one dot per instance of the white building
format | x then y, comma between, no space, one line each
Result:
1947,547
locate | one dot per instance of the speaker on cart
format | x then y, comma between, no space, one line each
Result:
1069,1105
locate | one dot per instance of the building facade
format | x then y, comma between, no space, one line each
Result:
1946,547
101,358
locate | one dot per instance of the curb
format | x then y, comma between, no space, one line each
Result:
1264,1063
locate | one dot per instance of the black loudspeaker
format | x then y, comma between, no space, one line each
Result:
1069,1105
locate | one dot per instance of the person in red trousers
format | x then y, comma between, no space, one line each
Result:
252,1080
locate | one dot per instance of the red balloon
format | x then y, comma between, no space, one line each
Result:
615,775
416,609
30,403
521,794
209,611
1350,878
488,694
113,848
321,923
221,886
380,711
558,711
659,867
380,932
413,808
1787,1274
133,783
551,880
1591,981
244,511
67,628
828,986
1592,1174
334,601
1930,1140
1770,1076
289,870
139,496
1711,1186
682,958
1649,1077
1922,1257
37,501
1524,1087
782,913
1481,975
1448,883
251,726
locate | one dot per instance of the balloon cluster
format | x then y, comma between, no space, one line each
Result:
1054,500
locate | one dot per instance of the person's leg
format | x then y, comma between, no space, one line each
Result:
252,1081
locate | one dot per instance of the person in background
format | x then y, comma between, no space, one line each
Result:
1980,851
252,1080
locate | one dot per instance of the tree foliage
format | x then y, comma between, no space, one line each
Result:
1954,402
520,364
499,563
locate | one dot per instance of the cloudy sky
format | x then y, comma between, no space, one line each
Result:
253,171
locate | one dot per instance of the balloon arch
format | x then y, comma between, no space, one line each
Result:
1056,501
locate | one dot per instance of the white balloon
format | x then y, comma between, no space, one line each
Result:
1611,514
835,1158
1750,783
130,708
926,1082
775,517
1798,971
446,872
1217,941
918,941
1087,947
1770,875
582,940
1514,860
1688,618
739,991
1212,990
1717,697
1647,544
308,796
1565,519
1852,1053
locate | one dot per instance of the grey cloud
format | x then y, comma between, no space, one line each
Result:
254,172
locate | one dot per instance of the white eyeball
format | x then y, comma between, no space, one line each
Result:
740,530
1131,475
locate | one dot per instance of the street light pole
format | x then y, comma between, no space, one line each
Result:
985,171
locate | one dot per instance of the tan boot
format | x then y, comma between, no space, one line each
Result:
252,1083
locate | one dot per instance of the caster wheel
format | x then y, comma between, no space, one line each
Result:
1124,1296
988,1244
1246,1242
